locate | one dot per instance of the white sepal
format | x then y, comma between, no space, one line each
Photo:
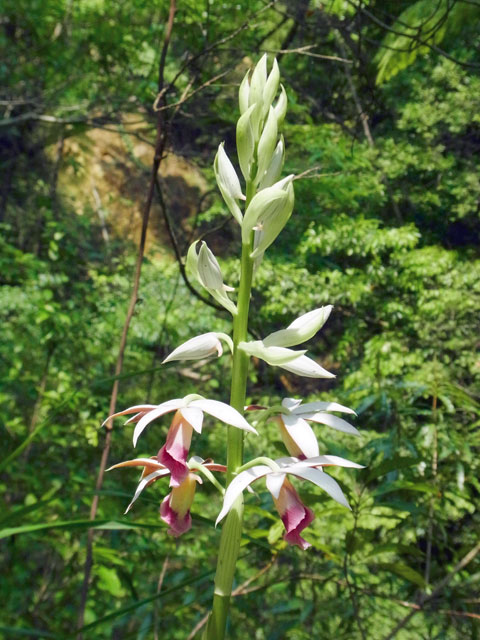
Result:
223,412
302,434
143,483
160,410
322,480
202,346
274,482
332,421
238,485
277,356
139,408
312,407
194,417
326,461
304,366
301,329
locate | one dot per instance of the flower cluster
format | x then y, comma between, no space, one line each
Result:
268,200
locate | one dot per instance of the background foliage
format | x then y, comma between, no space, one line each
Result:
384,116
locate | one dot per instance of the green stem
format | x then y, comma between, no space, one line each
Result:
232,528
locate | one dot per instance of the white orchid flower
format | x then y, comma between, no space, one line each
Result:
298,435
202,346
273,349
175,508
188,418
293,512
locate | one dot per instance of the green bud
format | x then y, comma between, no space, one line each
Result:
274,170
272,220
266,204
228,182
281,106
267,144
258,81
246,141
244,92
271,86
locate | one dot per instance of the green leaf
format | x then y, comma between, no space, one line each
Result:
404,571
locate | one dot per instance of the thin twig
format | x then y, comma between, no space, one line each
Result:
306,51
160,144
424,598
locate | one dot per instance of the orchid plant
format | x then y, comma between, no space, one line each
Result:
267,201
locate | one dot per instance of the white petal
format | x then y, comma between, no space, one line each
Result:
302,433
327,461
290,403
201,346
238,485
209,269
160,410
143,483
332,421
194,417
310,407
307,367
227,174
322,480
223,412
274,482
301,329
276,356
138,408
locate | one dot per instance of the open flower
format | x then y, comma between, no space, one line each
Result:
175,508
273,349
298,435
188,418
295,515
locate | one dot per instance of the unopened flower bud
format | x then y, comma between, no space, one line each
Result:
228,182
258,81
272,174
281,106
244,92
209,269
271,86
246,140
267,144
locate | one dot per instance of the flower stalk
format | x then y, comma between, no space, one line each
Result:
232,529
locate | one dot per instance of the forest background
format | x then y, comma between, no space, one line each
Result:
384,125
